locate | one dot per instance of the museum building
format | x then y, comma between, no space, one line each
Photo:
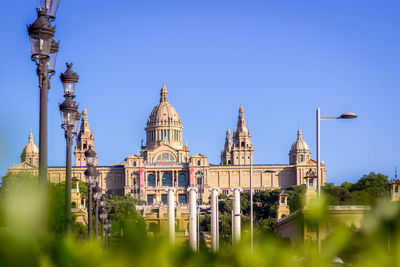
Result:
165,162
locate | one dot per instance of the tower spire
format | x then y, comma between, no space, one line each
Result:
84,140
30,139
164,93
299,133
241,124
85,121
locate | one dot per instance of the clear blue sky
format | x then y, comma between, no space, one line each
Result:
281,59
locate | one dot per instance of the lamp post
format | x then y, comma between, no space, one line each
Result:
91,177
70,118
348,115
251,210
96,197
44,51
103,213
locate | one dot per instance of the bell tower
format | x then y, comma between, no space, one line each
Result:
242,148
84,140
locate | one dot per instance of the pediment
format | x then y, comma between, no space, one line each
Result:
134,156
23,166
198,155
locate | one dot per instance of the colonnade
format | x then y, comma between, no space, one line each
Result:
193,217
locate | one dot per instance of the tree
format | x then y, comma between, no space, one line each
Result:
125,219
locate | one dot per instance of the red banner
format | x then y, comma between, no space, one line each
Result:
191,181
141,178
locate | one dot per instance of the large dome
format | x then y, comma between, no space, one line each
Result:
164,125
164,113
299,145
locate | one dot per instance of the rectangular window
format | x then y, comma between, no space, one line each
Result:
199,181
182,198
225,192
150,199
164,198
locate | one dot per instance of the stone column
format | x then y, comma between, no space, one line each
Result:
236,229
214,219
171,214
192,218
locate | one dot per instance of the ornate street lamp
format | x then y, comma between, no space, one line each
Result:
91,178
96,197
69,121
53,56
90,156
102,201
103,218
41,34
49,7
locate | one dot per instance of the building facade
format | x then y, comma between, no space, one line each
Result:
164,161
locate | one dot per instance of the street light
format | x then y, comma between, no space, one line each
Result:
251,210
53,56
49,7
348,115
69,121
90,156
103,217
91,175
41,34
96,197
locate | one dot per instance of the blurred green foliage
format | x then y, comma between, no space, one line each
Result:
31,231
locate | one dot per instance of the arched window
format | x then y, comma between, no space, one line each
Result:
242,143
84,146
182,180
198,162
166,179
165,157
151,180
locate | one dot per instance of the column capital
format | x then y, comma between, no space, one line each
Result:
170,189
236,188
192,188
214,188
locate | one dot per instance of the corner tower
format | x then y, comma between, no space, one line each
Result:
84,140
30,153
299,152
